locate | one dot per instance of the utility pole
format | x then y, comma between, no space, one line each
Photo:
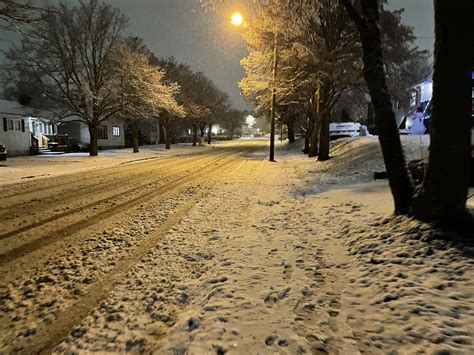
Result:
272,110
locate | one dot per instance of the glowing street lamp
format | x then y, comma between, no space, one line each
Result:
238,21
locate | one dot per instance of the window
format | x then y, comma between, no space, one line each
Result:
116,131
102,132
10,125
17,125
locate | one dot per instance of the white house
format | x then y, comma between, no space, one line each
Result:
111,134
20,129
14,133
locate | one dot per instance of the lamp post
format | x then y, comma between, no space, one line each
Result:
272,108
238,21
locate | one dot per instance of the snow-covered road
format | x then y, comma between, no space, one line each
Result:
224,252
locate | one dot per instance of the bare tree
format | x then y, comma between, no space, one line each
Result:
233,121
143,91
192,96
319,59
72,54
442,197
367,22
15,13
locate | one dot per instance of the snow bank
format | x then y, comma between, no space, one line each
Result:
411,289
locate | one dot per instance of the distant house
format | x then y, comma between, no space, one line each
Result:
149,132
19,129
111,134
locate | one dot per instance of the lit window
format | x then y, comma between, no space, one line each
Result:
116,131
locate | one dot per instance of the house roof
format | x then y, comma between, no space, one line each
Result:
13,108
8,107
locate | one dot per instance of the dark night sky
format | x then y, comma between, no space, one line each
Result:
180,28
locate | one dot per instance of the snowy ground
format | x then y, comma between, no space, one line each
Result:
293,257
16,169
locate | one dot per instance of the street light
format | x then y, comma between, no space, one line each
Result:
238,21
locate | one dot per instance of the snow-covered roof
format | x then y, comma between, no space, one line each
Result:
8,107
13,108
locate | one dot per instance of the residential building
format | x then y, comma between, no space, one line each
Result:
23,134
111,134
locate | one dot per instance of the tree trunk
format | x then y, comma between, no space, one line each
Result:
93,146
290,124
167,136
135,136
209,134
307,136
324,137
445,188
314,138
195,135
374,75
161,133
324,126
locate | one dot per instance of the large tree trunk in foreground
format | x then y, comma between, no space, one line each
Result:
93,152
135,136
445,188
374,75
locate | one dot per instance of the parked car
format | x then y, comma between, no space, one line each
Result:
343,129
3,152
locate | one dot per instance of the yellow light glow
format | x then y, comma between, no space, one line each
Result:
237,19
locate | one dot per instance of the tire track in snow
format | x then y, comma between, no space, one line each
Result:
81,188
15,189
52,235
47,336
